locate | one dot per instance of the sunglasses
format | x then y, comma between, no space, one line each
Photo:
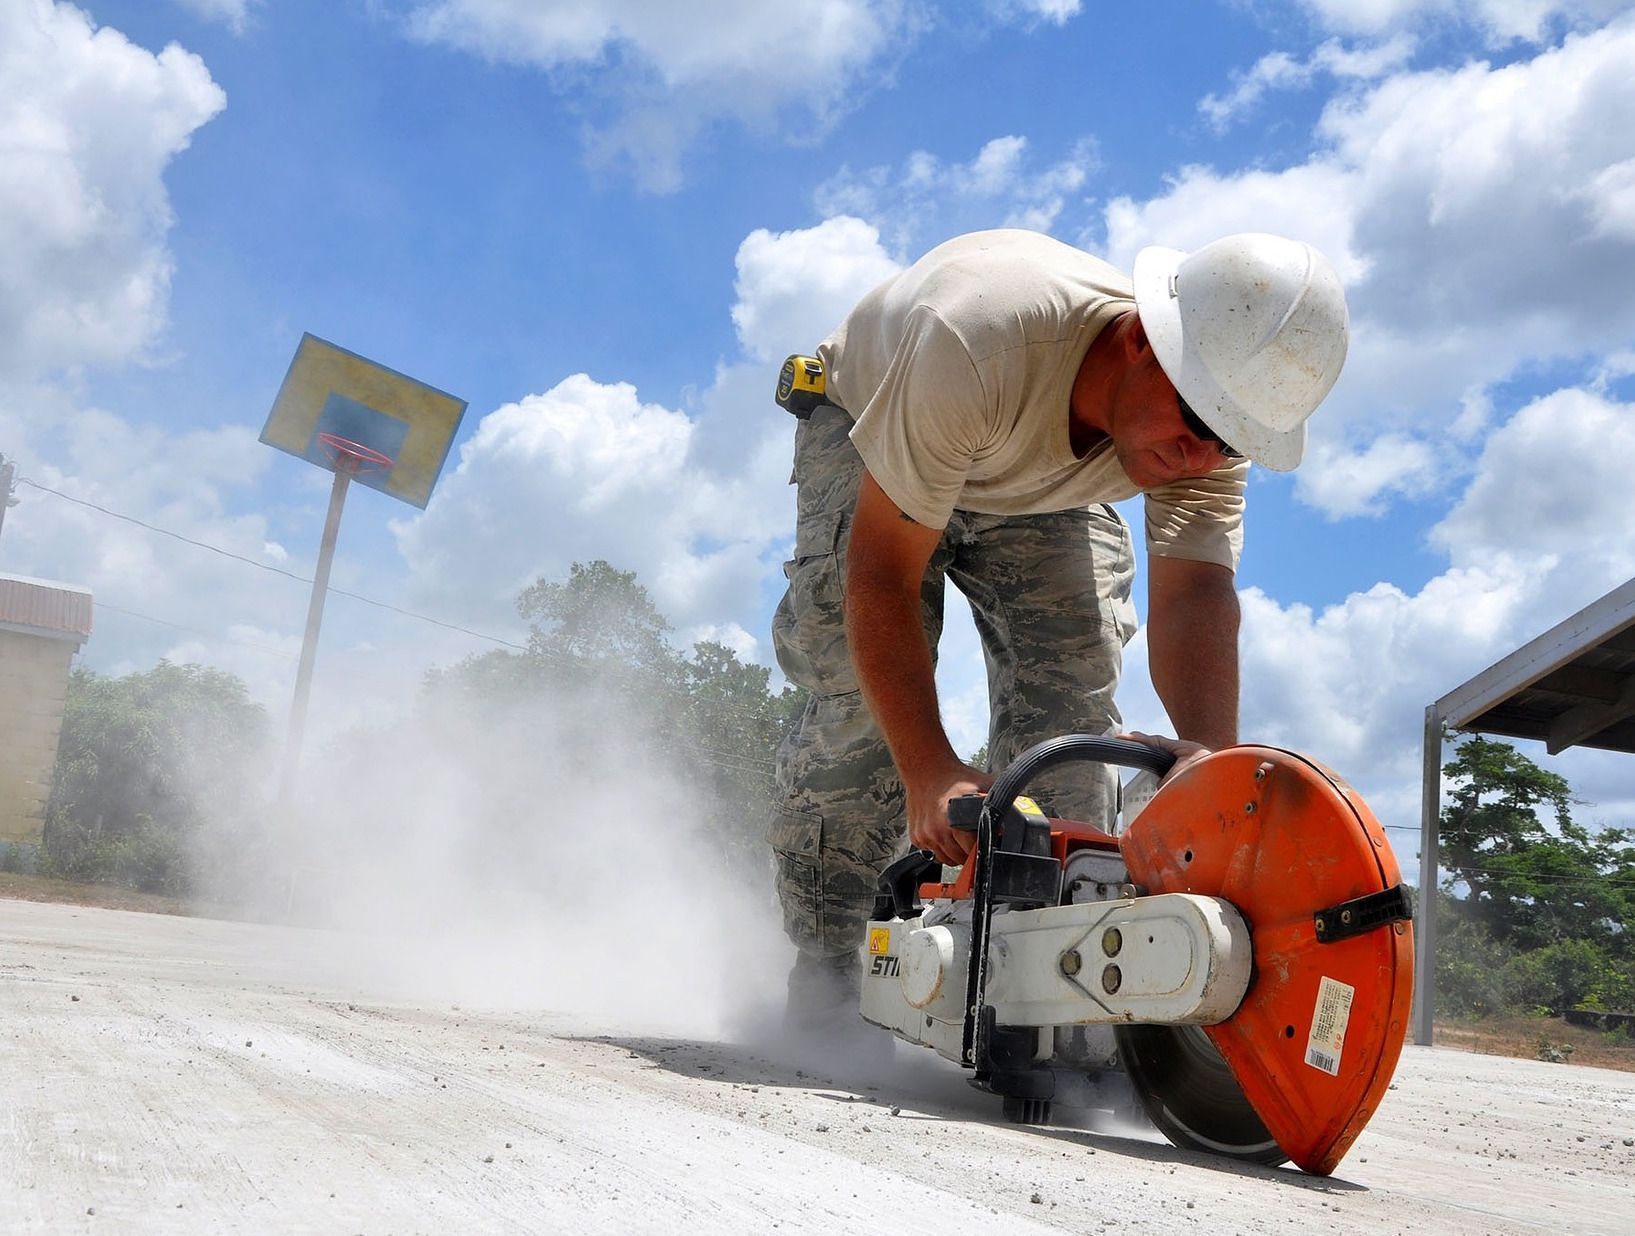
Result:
1196,427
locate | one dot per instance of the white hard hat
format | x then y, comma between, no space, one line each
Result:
1252,332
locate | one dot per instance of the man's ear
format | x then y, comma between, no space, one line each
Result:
1136,345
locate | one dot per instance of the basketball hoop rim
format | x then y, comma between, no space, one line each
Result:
354,457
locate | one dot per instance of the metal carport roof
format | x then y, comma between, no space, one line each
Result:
1573,686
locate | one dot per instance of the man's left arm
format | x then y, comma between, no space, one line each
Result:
1192,647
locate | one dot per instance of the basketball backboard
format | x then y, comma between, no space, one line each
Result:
330,392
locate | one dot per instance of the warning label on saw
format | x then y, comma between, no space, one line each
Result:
1328,1023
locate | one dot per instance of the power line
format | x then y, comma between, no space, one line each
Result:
265,566
1457,870
544,653
131,519
733,761
176,626
729,761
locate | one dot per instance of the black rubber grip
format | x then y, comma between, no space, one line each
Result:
1053,751
899,887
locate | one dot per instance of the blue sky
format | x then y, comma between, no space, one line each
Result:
603,222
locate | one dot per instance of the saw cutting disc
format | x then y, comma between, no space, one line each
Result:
1190,1094
1297,852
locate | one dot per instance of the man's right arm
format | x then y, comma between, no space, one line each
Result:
886,561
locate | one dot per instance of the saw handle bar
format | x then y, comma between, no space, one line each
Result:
1053,751
900,882
1096,748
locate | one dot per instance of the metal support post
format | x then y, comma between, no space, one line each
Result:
8,483
309,645
1429,864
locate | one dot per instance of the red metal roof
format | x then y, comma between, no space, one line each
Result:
45,607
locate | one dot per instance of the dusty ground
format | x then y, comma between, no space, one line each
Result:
22,887
1534,1038
170,1074
1523,1037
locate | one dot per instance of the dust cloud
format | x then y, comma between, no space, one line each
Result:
549,855
559,858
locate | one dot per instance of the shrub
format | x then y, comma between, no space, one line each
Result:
1470,965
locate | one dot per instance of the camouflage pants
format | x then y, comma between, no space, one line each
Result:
1051,598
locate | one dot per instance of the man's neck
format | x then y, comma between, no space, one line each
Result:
1090,407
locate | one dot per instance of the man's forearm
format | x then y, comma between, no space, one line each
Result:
887,556
895,672
1192,649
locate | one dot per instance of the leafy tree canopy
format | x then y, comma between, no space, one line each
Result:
1539,884
599,643
143,761
600,614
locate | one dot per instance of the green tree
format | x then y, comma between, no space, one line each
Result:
1529,881
596,635
158,777
1496,796
599,646
728,729
598,617
1470,963
1543,921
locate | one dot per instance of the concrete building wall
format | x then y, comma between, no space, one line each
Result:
33,688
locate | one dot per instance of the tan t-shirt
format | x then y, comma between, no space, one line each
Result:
958,373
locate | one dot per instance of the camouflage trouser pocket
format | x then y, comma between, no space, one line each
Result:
828,873
796,838
809,627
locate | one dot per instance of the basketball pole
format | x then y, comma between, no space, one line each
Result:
309,654
354,416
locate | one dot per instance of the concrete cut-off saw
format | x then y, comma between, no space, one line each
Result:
1242,951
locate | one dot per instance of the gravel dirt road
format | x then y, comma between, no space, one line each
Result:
195,1076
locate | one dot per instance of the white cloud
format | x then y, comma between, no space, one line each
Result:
1056,12
668,71
88,122
697,505
684,44
1345,482
1466,192
1537,534
1351,681
1274,71
1281,71
167,598
1500,21
88,125
1614,366
1553,483
927,199
564,463
234,14
583,471
1309,201
1476,214
1610,196
655,77
795,287
728,634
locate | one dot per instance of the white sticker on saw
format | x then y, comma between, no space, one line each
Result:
1328,1023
